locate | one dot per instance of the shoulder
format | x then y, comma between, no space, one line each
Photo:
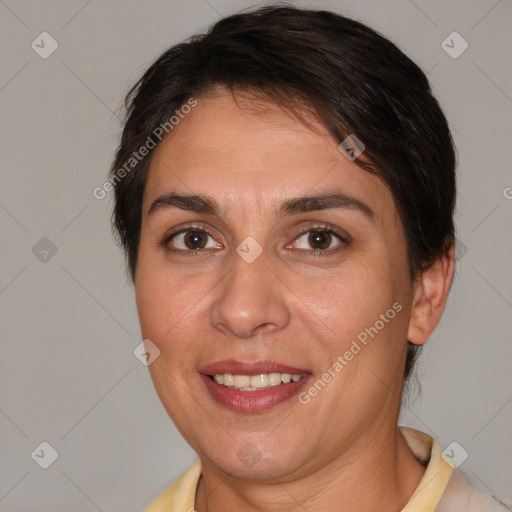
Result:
462,494
444,488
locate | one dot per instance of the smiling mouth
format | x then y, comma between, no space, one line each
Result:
252,386
256,382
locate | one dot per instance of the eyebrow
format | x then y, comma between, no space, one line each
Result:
207,205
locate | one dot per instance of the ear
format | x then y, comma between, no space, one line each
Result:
430,296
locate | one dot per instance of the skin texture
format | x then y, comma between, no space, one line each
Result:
342,449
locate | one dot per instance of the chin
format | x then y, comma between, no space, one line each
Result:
254,459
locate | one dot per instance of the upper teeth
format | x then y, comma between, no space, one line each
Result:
253,382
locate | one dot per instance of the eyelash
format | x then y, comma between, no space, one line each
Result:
322,228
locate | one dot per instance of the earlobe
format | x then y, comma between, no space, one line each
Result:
430,296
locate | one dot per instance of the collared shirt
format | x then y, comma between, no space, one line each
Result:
442,488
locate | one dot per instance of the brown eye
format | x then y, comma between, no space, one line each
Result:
195,239
320,239
189,240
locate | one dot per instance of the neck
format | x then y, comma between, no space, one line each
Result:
379,473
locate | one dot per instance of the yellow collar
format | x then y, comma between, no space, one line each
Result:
180,496
435,479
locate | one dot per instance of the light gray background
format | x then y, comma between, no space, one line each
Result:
69,325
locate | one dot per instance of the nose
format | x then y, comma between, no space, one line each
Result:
251,300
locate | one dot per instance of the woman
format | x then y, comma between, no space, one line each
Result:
285,189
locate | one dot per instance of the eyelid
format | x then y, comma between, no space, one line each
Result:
322,226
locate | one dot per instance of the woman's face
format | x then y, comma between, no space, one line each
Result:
255,283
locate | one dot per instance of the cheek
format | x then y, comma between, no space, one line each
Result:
168,305
344,315
169,311
347,300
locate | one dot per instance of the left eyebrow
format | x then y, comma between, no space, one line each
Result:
207,205
324,202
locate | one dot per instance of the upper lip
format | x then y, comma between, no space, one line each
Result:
249,368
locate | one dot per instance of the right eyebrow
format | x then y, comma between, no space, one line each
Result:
193,203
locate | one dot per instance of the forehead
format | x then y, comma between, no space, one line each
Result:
251,151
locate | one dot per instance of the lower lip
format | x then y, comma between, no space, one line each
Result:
252,401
